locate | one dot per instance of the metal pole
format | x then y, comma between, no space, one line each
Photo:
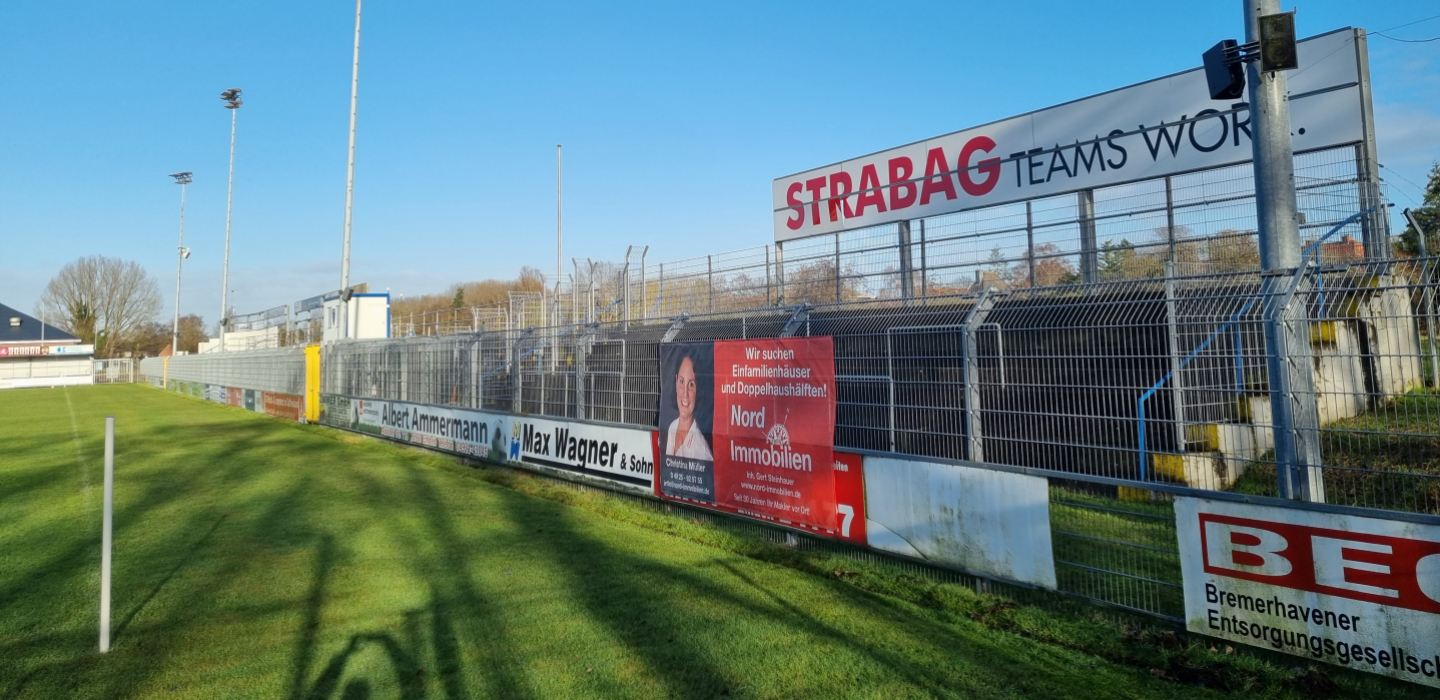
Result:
1375,227
710,280
644,288
229,201
1030,241
767,275
1427,298
107,532
1089,260
837,266
975,444
625,326
1170,219
179,264
924,286
907,280
350,163
559,218
779,273
1172,327
1292,383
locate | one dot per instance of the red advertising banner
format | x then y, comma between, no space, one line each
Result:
748,426
282,405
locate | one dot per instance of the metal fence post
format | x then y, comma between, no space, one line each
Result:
625,321
975,450
1427,298
1030,241
907,282
516,381
710,280
837,266
924,286
1170,219
767,275
582,351
1089,257
1172,322
779,274
1292,388
1376,227
644,287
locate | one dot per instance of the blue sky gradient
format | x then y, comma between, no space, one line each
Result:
675,119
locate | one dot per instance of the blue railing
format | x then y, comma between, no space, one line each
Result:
1231,322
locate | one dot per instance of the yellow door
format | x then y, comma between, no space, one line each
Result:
312,383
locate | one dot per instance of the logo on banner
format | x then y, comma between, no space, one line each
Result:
1344,589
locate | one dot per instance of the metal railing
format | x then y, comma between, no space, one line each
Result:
1123,374
1201,222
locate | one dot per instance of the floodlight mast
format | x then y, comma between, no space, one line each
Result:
350,165
232,103
181,179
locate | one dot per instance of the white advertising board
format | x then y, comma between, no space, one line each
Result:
1164,126
1351,591
613,450
977,519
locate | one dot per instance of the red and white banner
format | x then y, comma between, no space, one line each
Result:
1161,127
748,426
1352,591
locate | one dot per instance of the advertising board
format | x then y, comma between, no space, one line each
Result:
1358,592
748,426
1161,127
287,406
980,520
612,451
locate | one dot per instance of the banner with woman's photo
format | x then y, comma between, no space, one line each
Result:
748,426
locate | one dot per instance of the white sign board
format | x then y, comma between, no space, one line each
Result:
502,437
1357,592
1161,127
977,519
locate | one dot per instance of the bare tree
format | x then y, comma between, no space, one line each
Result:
102,300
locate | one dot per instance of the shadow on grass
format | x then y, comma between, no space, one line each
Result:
184,560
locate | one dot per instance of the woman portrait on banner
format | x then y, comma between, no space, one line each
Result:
684,438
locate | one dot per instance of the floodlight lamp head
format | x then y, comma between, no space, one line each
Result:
184,253
232,98
182,178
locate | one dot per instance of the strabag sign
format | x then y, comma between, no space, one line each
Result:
1161,127
1358,592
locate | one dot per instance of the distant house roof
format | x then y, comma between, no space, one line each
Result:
19,327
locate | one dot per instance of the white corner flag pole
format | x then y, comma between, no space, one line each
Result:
106,536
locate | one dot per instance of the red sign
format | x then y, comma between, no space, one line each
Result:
282,405
747,426
1373,568
850,498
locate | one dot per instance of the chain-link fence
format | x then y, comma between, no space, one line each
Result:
1119,392
278,370
1201,222
1121,343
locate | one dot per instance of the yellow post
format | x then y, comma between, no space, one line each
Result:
312,383
165,374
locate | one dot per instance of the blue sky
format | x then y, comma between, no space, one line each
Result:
675,119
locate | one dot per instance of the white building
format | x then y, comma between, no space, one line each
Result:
38,354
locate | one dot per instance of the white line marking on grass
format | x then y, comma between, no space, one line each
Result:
79,452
